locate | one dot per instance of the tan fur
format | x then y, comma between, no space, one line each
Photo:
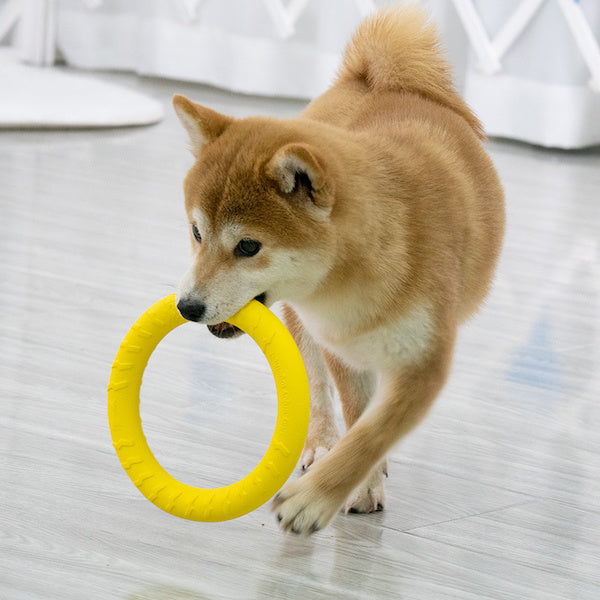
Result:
381,218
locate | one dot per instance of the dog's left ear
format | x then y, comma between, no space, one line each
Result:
300,175
202,124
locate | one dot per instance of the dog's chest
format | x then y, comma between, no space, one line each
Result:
394,345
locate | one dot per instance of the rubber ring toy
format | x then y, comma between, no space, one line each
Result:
291,427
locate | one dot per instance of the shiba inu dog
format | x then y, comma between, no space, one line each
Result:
378,218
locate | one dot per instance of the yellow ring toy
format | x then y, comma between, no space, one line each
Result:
172,496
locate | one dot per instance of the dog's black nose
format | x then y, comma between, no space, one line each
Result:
192,310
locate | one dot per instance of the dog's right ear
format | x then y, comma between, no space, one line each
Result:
202,124
300,174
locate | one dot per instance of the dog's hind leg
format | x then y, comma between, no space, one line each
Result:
322,431
356,389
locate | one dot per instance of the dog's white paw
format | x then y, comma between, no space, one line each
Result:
370,495
311,455
302,509
322,437
366,499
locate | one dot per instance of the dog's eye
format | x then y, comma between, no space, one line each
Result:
196,233
247,248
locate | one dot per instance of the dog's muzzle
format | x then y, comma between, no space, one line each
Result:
226,330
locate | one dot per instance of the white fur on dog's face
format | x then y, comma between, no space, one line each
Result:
224,282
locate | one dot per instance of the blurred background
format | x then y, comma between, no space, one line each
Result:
529,68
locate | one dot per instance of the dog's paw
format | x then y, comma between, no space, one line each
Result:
370,495
366,499
311,455
302,509
322,437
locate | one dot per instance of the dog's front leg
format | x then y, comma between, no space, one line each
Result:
401,401
322,430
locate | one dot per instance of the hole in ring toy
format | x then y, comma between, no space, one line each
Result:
291,427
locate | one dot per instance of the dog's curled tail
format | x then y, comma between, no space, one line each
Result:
397,49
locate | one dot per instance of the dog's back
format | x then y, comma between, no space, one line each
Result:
395,86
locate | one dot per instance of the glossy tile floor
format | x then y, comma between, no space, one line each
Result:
495,496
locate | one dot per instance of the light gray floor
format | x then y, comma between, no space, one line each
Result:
496,495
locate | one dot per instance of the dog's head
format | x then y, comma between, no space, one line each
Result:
259,200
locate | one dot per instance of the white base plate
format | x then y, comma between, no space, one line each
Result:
556,116
34,97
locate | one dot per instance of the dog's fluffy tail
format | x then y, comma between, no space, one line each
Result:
398,50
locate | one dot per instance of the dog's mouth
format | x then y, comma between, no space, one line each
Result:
226,330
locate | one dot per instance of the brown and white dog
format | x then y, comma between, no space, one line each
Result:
377,217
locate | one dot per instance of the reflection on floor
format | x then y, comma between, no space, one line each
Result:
496,495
